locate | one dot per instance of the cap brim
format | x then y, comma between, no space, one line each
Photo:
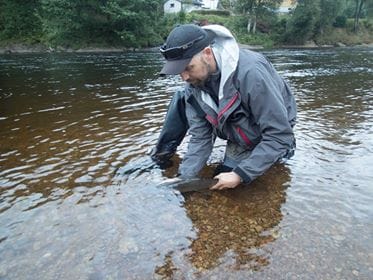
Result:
175,67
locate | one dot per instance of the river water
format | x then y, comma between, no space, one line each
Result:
79,198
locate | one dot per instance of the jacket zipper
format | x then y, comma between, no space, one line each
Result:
212,120
243,136
229,105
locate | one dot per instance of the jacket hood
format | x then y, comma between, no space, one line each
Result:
226,53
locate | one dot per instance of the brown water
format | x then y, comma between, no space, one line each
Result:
79,198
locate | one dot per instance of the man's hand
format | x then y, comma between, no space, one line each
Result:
227,180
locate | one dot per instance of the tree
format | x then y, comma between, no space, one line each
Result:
131,23
227,4
255,9
302,23
358,10
328,11
19,21
136,21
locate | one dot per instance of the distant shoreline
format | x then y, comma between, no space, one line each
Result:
22,48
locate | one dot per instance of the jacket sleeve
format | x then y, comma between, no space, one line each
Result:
263,89
200,144
173,131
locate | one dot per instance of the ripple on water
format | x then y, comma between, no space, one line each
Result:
73,140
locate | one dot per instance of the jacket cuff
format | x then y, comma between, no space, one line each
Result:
245,178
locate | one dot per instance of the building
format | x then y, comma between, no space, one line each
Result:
210,4
172,6
176,6
287,6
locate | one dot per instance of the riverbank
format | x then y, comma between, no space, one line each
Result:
23,48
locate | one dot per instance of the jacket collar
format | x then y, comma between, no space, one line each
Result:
226,52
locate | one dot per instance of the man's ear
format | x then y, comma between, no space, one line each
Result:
207,51
208,54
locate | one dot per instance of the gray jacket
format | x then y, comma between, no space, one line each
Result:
257,112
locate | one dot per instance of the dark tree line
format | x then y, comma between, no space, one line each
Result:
56,22
313,17
309,18
141,23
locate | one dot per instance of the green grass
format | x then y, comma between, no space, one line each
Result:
346,35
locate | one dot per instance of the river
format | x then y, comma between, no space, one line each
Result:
79,198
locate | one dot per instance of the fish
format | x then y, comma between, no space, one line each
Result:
189,185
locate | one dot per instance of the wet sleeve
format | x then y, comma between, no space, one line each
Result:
173,131
200,144
263,89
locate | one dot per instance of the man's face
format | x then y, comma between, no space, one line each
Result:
197,71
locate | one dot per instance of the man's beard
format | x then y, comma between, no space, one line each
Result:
199,83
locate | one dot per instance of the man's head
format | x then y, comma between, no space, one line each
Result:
183,45
200,68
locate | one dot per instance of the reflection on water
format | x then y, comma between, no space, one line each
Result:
233,226
79,197
234,221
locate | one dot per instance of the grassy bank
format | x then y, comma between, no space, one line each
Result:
345,36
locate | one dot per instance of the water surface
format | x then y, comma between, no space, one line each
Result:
80,199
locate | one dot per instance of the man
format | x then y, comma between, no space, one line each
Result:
233,94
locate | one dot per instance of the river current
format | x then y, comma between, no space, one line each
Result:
80,198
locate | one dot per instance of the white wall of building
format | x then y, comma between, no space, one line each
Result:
175,6
287,6
210,4
172,6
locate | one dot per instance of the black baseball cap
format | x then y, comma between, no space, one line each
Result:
183,42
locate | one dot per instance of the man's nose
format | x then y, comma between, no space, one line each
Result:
184,76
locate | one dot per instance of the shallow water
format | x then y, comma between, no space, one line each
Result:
80,199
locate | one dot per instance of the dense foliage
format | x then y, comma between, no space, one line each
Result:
142,23
312,18
82,22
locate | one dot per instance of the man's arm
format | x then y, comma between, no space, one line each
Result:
200,144
173,131
269,110
263,90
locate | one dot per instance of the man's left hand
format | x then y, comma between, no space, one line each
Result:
227,180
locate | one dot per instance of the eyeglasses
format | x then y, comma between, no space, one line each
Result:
178,52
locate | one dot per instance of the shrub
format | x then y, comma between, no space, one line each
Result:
213,12
340,21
